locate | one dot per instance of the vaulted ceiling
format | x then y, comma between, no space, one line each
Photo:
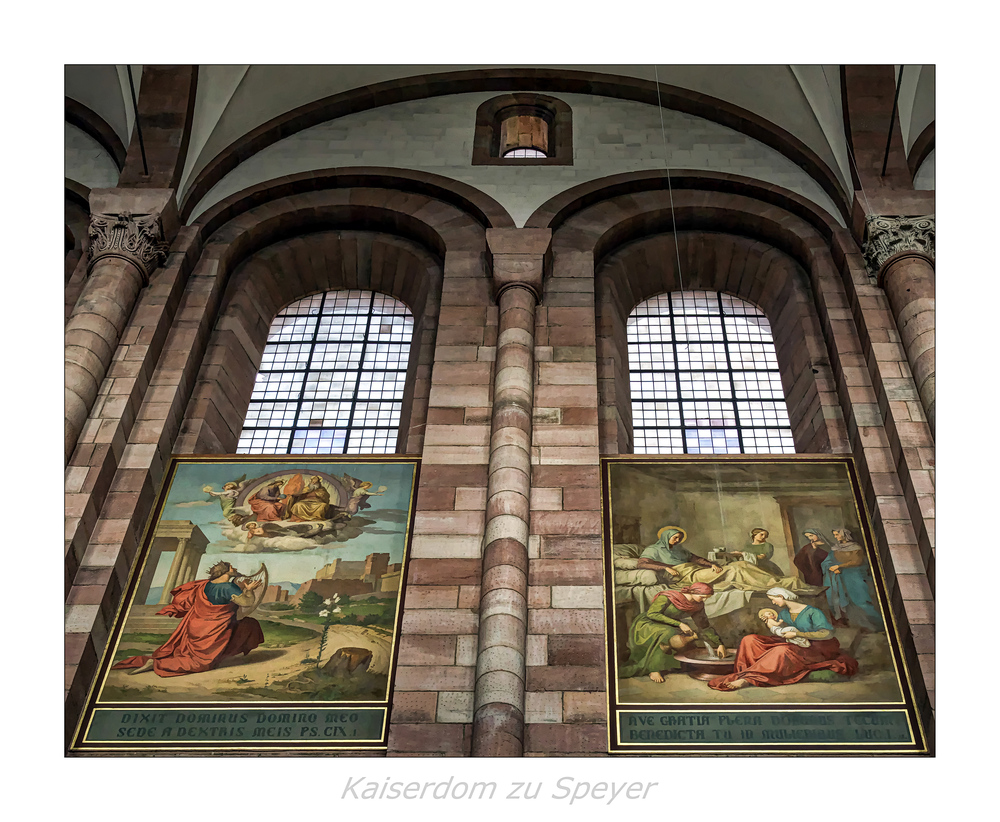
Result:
232,101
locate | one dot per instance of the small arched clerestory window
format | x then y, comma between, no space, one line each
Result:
523,129
704,377
332,377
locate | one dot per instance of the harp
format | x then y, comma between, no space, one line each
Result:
258,593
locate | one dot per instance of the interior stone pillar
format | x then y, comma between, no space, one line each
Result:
900,254
519,258
127,243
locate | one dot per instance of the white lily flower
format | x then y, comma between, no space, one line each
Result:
324,613
328,601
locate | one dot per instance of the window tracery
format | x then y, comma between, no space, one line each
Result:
331,378
704,377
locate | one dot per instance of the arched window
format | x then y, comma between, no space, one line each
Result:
523,129
332,377
524,152
704,377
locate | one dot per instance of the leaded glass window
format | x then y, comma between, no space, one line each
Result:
525,152
331,378
704,377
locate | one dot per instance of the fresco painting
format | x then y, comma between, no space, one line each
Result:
746,611
263,609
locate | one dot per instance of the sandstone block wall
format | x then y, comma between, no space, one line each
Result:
436,135
180,370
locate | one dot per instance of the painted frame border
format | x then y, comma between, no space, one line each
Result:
79,743
919,722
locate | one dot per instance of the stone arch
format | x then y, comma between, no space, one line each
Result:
561,207
90,122
297,267
750,269
279,250
921,148
753,248
550,81
77,215
487,211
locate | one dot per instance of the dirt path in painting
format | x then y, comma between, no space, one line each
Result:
260,666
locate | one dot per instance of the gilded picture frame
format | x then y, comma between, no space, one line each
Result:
262,610
746,612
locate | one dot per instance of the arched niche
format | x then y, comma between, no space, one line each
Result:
752,270
297,267
285,240
760,243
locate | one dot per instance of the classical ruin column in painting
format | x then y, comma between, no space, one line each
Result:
174,572
191,544
900,254
519,257
128,240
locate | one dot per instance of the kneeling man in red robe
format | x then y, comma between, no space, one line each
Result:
209,630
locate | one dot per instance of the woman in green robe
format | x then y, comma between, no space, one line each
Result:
764,551
663,630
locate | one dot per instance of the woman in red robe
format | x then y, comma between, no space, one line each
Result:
268,504
209,630
809,558
772,660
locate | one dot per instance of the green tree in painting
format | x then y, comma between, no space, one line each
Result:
310,603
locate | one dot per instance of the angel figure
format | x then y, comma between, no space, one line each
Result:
227,498
359,493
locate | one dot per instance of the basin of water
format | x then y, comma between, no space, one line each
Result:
703,664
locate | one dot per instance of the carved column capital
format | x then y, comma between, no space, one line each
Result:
888,237
136,225
520,257
137,238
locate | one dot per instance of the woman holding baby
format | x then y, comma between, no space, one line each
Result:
777,659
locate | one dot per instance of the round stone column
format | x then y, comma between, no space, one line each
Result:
92,335
519,257
908,280
900,254
126,244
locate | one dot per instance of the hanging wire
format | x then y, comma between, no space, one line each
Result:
670,188
760,503
718,495
847,141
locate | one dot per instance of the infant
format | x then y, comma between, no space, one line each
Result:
770,618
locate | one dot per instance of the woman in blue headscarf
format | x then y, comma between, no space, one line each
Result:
666,554
849,592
